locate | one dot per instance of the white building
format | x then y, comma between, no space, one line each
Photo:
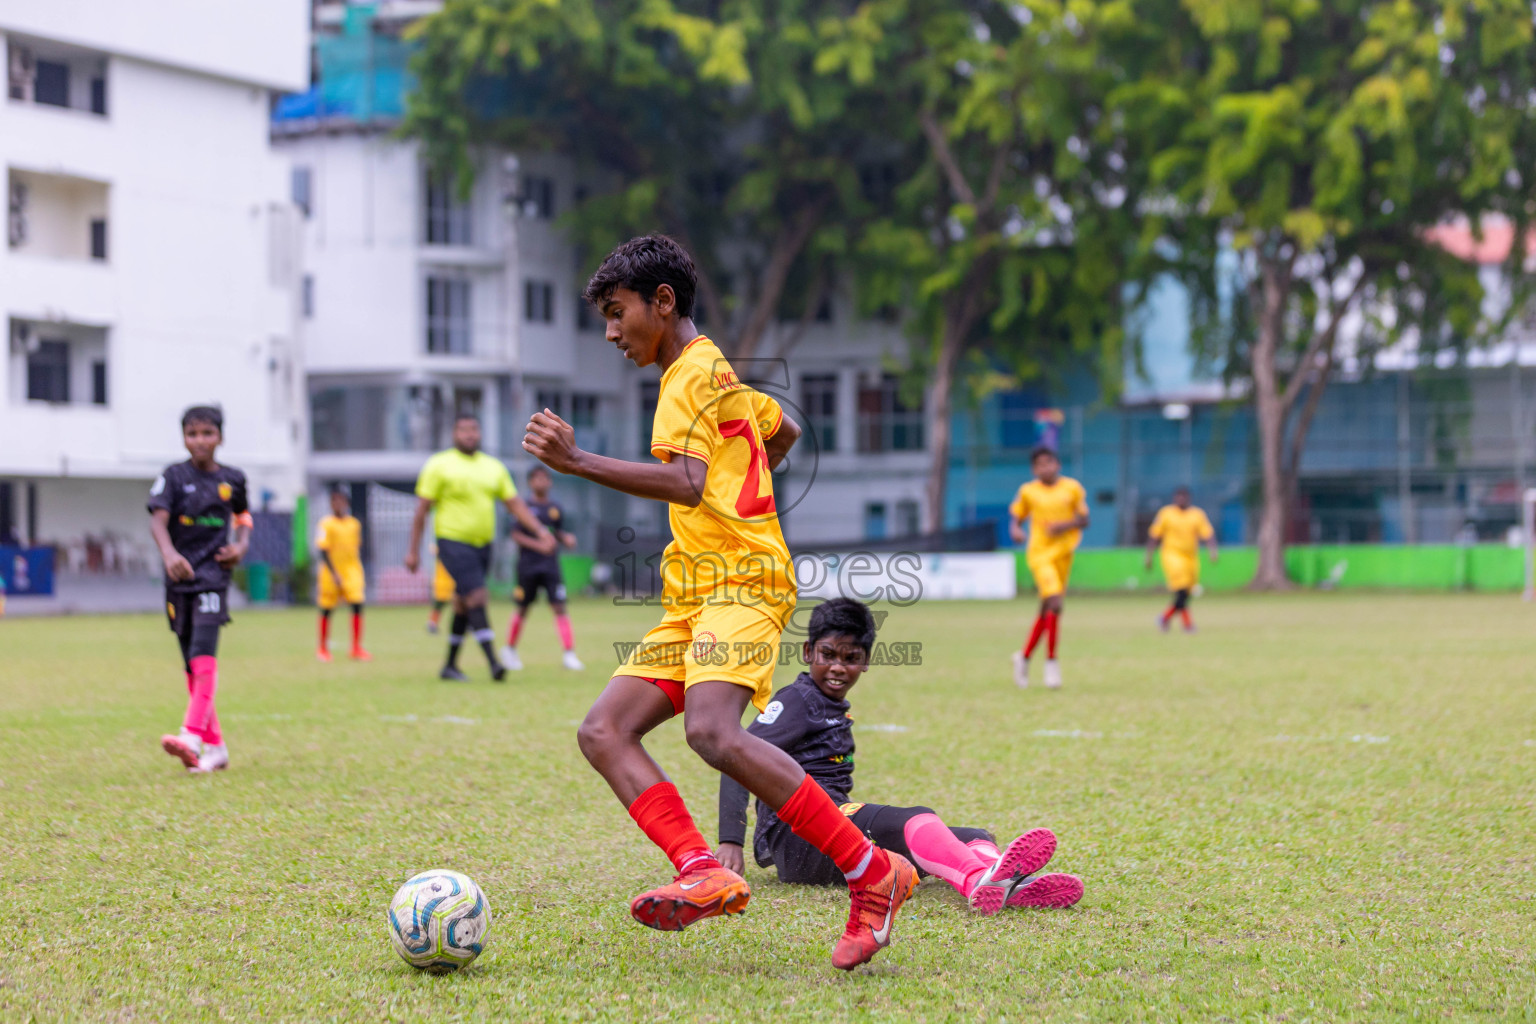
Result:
151,259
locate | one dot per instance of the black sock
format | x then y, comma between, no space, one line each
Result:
483,633
456,638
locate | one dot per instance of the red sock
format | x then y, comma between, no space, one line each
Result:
1052,627
515,629
1035,634
664,818
1184,615
1167,615
563,627
325,631
357,630
815,818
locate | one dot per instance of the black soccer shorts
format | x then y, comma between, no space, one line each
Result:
466,563
529,585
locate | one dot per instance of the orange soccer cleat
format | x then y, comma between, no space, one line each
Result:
321,654
872,914
705,891
358,654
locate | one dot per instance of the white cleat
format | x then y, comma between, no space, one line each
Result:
510,660
186,747
1020,670
572,662
1052,674
214,759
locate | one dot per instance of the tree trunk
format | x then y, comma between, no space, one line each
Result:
786,249
940,402
1270,409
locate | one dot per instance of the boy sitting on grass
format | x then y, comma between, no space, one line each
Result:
808,719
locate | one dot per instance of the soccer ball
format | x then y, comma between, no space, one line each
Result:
438,921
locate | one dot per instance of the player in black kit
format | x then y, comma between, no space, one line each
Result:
809,720
201,521
538,568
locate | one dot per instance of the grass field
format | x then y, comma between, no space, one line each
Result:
1319,808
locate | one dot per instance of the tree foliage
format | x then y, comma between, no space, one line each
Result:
1320,143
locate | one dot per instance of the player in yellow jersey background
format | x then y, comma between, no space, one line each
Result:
1056,509
442,593
1178,529
339,544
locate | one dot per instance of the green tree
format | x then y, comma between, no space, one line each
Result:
1011,237
1318,142
714,123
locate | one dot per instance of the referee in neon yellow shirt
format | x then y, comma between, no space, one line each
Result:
464,484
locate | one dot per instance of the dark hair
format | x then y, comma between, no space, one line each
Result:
210,414
341,489
642,265
1181,489
843,616
1040,450
461,417
540,468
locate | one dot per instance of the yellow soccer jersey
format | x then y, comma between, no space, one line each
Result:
729,547
1181,529
1061,502
342,538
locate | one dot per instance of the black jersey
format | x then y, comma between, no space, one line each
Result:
531,562
202,507
812,728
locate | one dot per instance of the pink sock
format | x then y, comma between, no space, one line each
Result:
985,849
200,719
563,627
939,852
515,630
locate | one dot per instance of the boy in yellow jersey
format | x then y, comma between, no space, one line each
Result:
1180,527
728,589
339,540
1056,507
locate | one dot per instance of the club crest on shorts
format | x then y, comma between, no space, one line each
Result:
704,644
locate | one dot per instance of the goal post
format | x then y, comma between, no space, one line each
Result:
1528,540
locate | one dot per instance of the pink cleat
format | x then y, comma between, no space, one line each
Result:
1052,890
1024,856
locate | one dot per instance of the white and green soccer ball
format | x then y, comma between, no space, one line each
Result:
438,921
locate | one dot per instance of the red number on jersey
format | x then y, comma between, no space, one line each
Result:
749,504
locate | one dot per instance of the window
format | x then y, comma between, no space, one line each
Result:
818,393
98,95
586,317
538,302
907,518
583,411
300,189
448,218
98,238
552,400
99,382
539,198
874,520
448,324
886,422
51,86
48,372
307,296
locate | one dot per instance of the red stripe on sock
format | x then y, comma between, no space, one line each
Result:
664,818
